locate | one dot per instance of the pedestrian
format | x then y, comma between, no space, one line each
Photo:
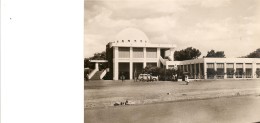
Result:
151,78
135,76
186,79
173,77
123,77
148,77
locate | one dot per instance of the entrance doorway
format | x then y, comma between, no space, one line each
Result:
123,69
137,69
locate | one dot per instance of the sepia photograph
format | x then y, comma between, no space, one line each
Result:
171,61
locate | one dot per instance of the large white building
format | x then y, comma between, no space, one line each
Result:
132,51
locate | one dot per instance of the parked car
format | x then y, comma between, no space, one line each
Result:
147,77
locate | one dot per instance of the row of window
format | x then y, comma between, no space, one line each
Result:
229,65
124,52
191,68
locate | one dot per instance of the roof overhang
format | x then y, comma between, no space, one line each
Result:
142,45
98,61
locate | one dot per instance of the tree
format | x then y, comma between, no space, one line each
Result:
255,54
218,54
88,64
149,69
211,72
163,73
187,54
97,56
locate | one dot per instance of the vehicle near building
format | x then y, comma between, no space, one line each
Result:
147,77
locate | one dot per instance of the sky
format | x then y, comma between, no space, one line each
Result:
232,26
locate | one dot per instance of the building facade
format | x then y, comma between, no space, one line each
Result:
132,51
219,68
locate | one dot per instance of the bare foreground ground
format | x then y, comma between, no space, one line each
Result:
241,109
228,101
102,94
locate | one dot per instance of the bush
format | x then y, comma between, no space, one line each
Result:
162,73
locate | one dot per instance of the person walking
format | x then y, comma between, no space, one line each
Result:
187,79
173,77
151,78
122,77
135,76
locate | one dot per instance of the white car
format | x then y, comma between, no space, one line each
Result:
147,77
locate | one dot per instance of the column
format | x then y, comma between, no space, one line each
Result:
195,71
131,64
199,72
254,69
131,70
215,66
235,69
225,70
171,54
131,53
205,70
215,69
96,66
244,70
115,64
144,63
158,57
115,69
191,69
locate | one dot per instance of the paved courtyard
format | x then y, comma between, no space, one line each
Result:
105,93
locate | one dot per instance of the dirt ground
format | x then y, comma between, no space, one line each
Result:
105,93
241,109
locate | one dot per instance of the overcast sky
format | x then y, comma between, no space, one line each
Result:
232,26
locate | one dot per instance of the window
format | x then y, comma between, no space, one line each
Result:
138,53
170,66
230,65
185,68
239,65
220,65
151,53
124,52
210,65
258,65
248,65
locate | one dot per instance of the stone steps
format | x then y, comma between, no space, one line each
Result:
96,76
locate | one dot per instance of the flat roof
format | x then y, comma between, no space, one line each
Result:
216,60
127,44
98,61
